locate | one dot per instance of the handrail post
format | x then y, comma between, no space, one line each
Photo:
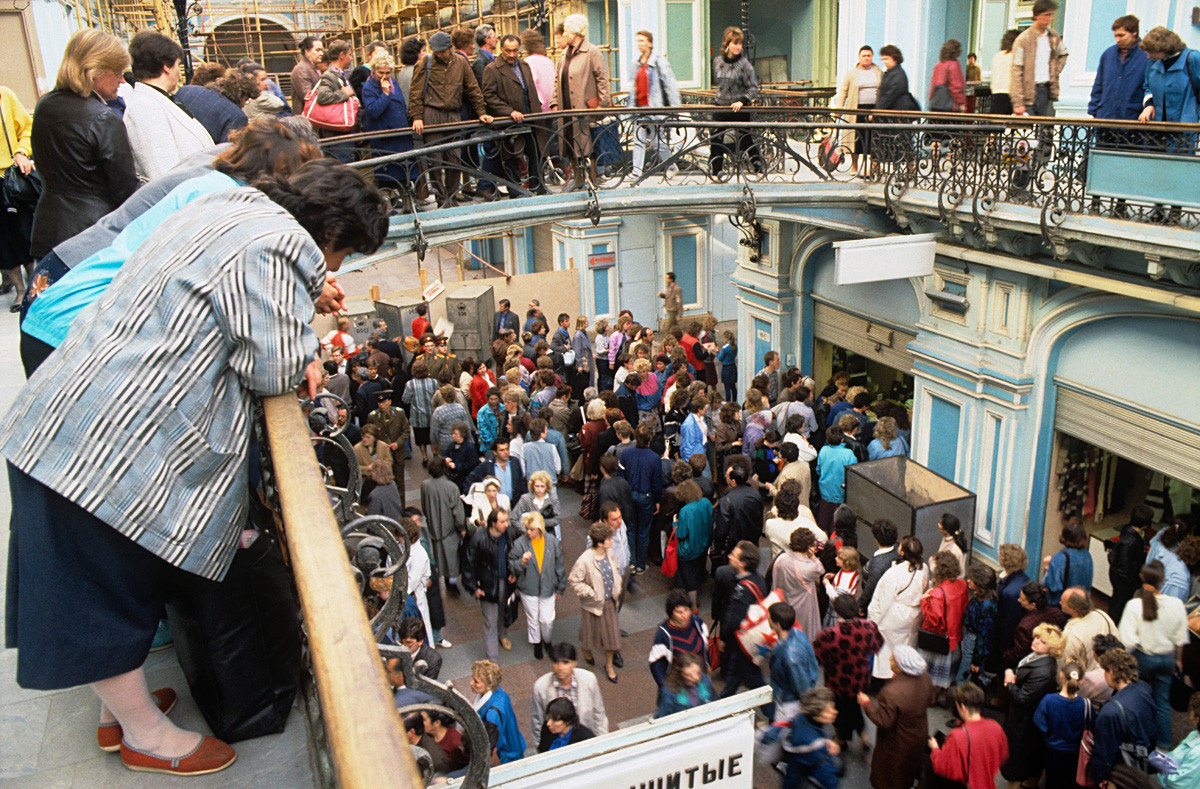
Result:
367,740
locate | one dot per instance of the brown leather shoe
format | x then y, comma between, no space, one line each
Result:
109,735
504,642
210,756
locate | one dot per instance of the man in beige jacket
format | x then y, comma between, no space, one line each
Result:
1085,624
1038,60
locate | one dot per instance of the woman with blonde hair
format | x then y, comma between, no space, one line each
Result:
1035,676
600,351
582,82
536,560
541,499
887,441
79,143
494,706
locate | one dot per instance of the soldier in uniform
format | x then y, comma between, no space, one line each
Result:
394,431
434,361
449,359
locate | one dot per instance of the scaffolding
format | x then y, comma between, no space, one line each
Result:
268,31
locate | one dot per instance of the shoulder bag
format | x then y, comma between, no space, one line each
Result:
340,117
670,564
941,100
1085,748
1132,754
19,190
937,643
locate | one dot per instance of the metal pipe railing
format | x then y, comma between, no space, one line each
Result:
366,737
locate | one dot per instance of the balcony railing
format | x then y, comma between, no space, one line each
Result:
355,726
1061,167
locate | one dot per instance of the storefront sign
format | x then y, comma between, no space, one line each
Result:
685,751
890,257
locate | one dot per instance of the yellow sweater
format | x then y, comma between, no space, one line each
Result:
18,126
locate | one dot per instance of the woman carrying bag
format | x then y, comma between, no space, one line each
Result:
537,562
22,187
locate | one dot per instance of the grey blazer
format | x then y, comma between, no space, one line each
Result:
550,580
209,313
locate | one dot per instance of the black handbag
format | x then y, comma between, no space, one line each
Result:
937,643
238,640
1181,692
18,190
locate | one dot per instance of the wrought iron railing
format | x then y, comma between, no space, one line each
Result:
975,161
355,726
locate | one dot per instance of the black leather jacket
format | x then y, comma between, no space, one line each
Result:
486,567
86,164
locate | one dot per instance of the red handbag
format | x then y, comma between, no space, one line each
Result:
714,647
670,563
1085,750
341,117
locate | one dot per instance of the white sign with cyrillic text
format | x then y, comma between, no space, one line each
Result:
715,755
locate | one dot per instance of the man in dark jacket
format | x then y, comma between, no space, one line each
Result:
441,84
739,511
643,472
508,89
1125,559
738,586
503,467
505,318
884,532
1135,726
485,575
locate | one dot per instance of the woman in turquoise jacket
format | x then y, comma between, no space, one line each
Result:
693,530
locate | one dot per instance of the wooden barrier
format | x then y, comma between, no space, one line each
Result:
366,738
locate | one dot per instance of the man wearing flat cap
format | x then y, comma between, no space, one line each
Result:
441,84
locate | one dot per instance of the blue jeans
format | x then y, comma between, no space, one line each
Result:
1157,671
968,651
644,515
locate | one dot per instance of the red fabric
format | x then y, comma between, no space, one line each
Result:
946,619
642,83
479,390
950,74
988,748
420,325
689,347
528,364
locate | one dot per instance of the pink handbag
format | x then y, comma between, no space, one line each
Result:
341,117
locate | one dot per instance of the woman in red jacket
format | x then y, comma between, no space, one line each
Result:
973,752
942,609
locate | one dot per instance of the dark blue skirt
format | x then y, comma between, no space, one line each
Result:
83,600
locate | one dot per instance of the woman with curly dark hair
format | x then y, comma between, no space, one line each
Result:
206,316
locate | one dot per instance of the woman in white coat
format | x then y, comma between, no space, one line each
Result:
420,573
896,605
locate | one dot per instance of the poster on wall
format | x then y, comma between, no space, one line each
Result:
718,754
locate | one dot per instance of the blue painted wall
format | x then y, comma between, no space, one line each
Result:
942,435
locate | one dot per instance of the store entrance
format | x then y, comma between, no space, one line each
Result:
882,381
1102,488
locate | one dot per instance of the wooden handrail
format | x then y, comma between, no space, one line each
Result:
366,736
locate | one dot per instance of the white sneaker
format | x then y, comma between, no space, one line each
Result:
443,644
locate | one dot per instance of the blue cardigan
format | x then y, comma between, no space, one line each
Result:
793,667
499,710
1117,92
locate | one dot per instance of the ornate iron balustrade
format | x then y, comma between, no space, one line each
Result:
353,720
975,161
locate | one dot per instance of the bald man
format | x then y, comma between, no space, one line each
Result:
1084,624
